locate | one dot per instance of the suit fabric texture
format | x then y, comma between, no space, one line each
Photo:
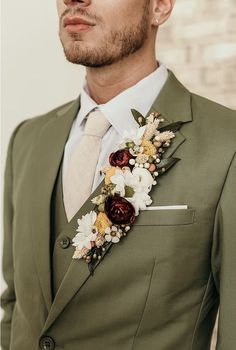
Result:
157,289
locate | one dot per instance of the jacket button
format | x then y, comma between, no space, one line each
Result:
64,242
46,343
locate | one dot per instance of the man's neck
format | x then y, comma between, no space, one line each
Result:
104,83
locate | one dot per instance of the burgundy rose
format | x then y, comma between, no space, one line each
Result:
120,158
119,210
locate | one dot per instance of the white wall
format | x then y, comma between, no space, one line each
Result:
35,75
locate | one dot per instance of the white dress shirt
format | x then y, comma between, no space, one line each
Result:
118,112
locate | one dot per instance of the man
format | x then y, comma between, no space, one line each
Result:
160,287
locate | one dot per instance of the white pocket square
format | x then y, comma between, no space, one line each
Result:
166,207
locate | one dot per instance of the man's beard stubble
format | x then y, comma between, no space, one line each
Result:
115,45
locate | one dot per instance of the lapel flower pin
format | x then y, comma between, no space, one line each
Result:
128,181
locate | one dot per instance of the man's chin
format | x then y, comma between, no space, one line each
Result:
88,64
87,60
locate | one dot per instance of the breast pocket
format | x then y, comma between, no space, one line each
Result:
166,217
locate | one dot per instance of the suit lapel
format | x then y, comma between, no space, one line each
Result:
47,157
174,103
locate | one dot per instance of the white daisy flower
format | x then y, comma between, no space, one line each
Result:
87,232
133,135
140,180
122,179
142,185
112,234
119,180
144,178
140,200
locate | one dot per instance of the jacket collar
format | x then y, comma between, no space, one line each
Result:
118,109
174,101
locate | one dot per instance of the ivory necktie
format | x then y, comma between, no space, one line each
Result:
78,181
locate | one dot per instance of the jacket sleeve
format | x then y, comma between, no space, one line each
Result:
8,296
224,261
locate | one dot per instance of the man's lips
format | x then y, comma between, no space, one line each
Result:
76,24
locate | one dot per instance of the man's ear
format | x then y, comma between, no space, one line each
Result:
161,10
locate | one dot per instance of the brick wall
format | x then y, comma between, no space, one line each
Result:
198,43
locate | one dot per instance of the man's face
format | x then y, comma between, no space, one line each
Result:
115,29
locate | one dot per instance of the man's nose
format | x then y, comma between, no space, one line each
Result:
82,3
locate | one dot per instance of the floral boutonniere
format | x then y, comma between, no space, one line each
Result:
133,170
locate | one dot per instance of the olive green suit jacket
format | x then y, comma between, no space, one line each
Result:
161,286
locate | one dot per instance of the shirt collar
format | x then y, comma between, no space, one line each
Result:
118,110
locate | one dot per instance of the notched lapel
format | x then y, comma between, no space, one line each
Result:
174,104
49,148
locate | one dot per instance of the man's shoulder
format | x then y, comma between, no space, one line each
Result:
215,121
26,133
211,111
37,122
29,128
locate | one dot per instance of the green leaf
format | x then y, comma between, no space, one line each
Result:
95,262
140,119
171,127
129,191
166,164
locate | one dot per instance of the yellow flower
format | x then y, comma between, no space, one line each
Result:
149,148
102,222
109,173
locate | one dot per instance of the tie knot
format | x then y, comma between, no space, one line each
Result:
96,124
